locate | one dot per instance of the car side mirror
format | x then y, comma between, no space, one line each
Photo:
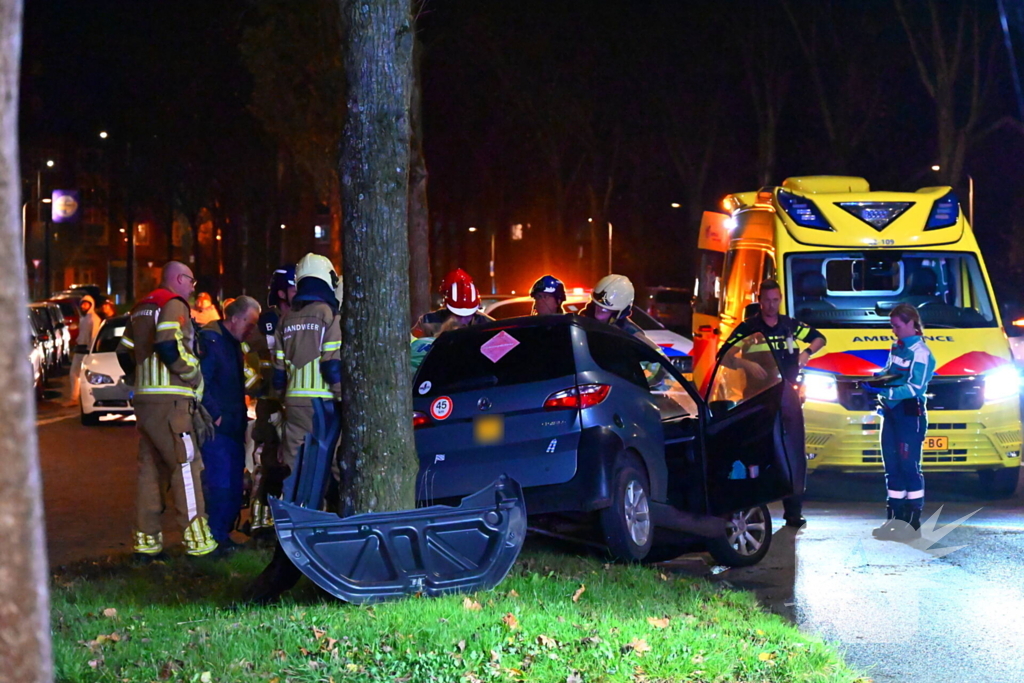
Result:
683,364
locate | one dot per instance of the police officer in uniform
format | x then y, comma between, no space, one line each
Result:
781,334
307,350
158,349
266,434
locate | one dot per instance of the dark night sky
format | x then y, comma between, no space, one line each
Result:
519,97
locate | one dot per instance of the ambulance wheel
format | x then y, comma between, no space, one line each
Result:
626,523
748,535
999,483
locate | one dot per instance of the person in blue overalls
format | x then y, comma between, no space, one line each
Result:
227,378
902,404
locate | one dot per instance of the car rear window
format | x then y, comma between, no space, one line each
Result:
456,362
110,336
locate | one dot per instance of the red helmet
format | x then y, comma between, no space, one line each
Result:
460,294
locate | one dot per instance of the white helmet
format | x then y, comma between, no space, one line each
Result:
339,290
614,292
320,267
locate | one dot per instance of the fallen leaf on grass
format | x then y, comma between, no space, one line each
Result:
637,645
471,605
547,641
206,677
766,656
574,678
512,593
662,576
110,612
510,621
658,623
319,632
461,645
579,592
169,668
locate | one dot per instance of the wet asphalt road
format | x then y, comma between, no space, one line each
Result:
900,613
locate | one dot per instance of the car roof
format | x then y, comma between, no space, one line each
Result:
587,324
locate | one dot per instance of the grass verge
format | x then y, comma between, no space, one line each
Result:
555,618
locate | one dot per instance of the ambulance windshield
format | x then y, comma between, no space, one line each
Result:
858,289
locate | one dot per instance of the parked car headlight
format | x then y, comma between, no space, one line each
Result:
1003,382
820,387
98,378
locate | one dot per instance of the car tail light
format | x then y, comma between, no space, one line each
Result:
584,396
419,419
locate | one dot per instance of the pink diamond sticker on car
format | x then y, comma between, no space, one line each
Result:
497,346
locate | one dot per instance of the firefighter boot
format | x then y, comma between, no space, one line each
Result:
147,545
198,539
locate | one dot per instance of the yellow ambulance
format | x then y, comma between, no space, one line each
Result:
844,256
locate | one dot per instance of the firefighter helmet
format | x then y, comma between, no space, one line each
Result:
549,284
460,293
614,292
320,267
280,281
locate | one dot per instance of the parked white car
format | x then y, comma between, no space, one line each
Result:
104,391
672,343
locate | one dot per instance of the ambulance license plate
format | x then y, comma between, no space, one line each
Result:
936,443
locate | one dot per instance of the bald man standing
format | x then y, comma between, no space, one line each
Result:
158,349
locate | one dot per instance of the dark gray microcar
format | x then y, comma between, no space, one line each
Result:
603,433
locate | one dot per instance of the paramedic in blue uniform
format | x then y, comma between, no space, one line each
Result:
781,333
902,404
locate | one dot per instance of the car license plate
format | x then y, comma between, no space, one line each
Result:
936,443
489,429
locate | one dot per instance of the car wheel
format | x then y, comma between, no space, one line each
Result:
748,535
90,419
999,483
626,523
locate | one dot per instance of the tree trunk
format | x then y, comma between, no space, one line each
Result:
24,599
419,216
378,452
336,219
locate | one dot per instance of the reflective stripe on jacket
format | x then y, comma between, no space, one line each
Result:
305,339
163,317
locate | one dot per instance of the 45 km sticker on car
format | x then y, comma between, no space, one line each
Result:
441,408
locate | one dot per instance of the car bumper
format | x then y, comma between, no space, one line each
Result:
106,399
842,440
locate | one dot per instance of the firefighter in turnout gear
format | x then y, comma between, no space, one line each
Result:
461,301
781,334
902,405
307,350
158,350
266,432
